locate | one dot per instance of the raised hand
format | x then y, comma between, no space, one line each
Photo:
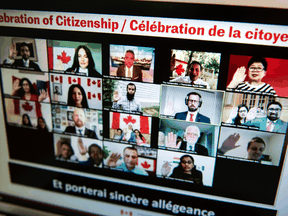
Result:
116,96
252,113
171,141
112,160
12,51
230,143
238,77
82,149
43,95
16,86
166,168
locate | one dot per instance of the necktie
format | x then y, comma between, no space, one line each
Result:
80,131
26,63
191,117
269,127
191,148
129,72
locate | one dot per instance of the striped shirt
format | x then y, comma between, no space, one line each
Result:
262,89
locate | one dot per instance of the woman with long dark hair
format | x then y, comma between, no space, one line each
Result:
77,96
241,117
83,63
139,137
42,126
26,91
186,170
26,120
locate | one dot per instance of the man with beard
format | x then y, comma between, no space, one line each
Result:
193,102
79,128
271,123
255,147
95,156
191,137
129,69
194,72
128,103
25,62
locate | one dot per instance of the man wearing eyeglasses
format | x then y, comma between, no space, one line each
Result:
271,123
190,143
257,69
193,102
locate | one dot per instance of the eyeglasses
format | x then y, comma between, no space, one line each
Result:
193,101
277,109
242,111
184,162
256,69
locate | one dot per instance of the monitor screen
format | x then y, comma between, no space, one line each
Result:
144,112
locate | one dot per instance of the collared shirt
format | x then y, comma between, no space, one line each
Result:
189,115
125,104
137,170
186,79
78,130
126,71
26,63
272,125
83,71
190,147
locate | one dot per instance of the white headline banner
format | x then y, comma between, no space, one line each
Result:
261,34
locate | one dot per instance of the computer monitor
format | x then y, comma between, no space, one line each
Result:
144,108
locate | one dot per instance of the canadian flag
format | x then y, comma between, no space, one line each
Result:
94,82
91,95
120,120
62,57
33,109
74,80
57,79
147,164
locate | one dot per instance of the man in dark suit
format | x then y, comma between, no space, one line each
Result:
191,136
79,128
129,69
272,122
25,62
193,102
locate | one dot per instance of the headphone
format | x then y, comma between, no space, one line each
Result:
193,93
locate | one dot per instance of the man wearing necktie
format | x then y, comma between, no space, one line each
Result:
79,128
193,102
25,62
271,123
130,70
191,137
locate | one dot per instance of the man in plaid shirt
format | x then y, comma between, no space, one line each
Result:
128,103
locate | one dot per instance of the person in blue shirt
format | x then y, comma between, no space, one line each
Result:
130,161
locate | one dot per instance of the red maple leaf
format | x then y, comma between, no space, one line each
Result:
74,80
27,106
129,119
145,165
94,82
56,78
94,96
179,69
64,58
